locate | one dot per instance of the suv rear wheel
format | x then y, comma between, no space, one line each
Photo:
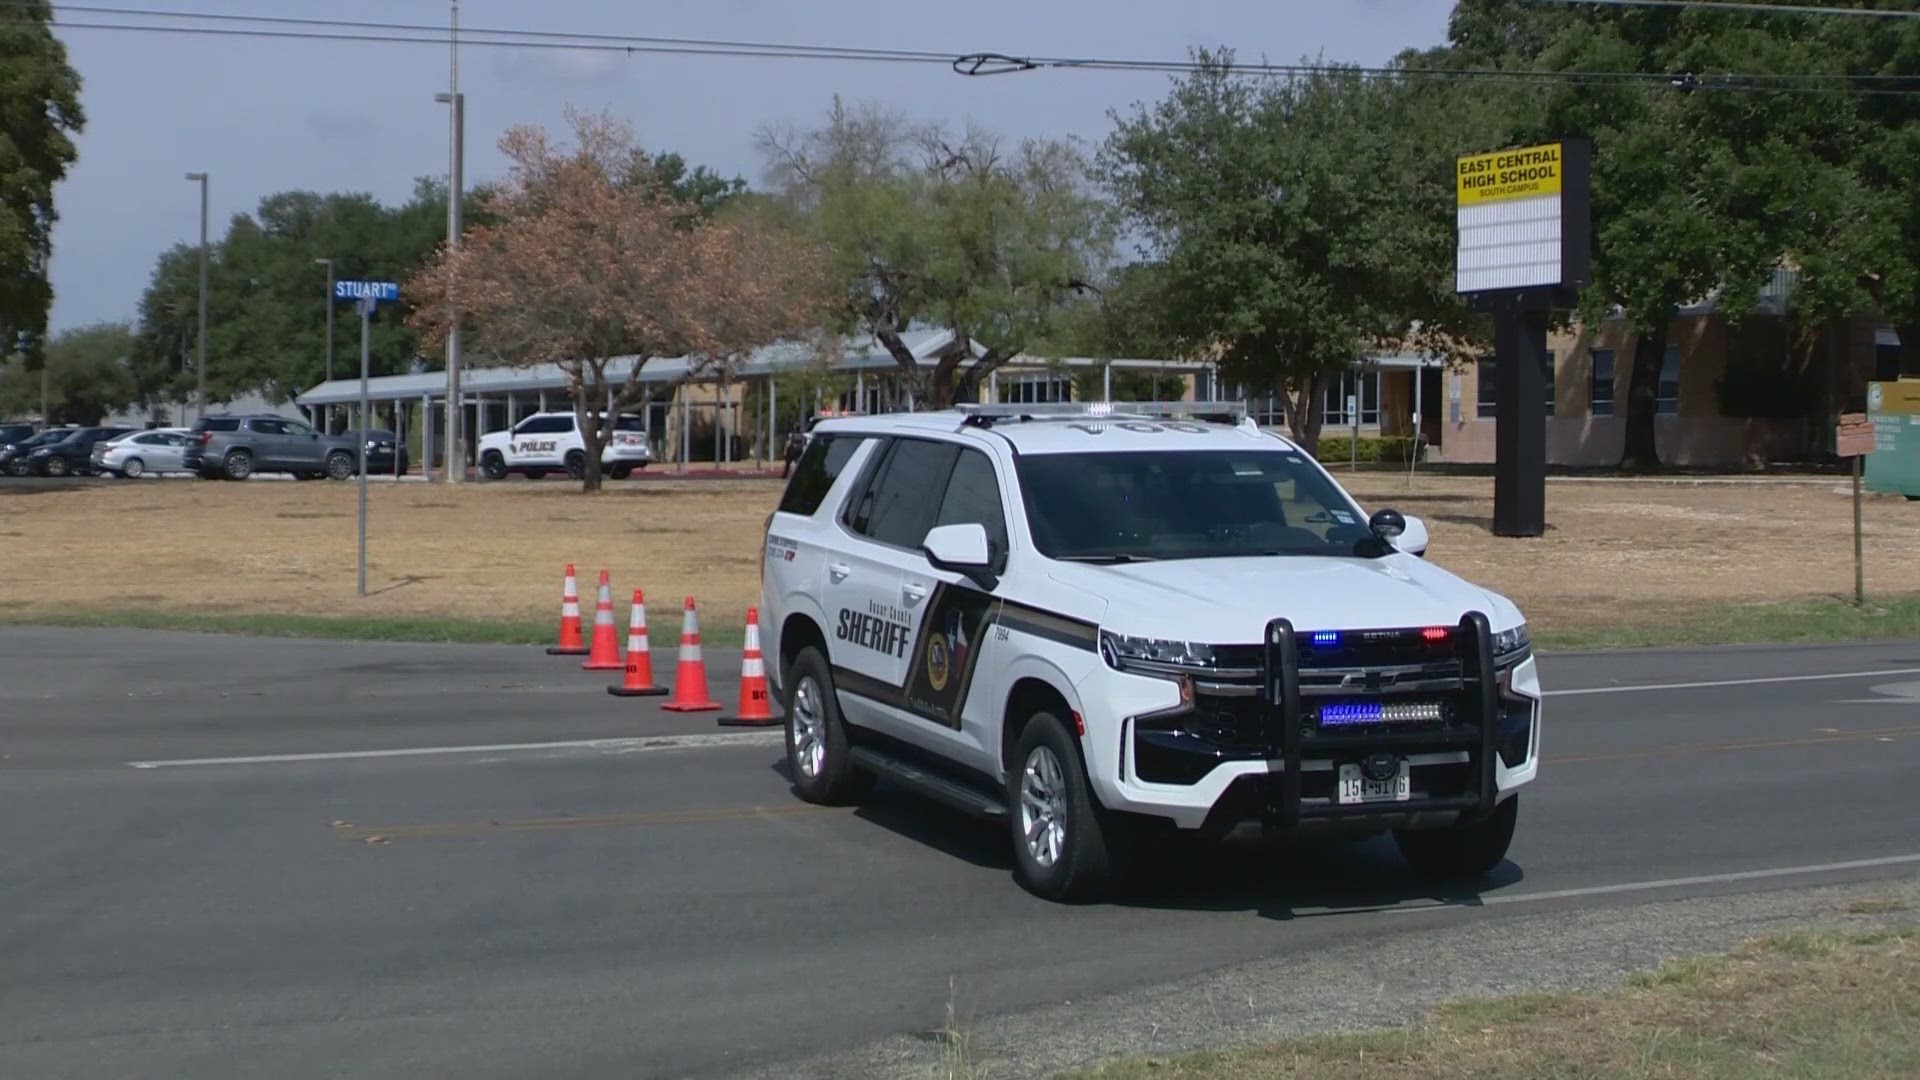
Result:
576,465
56,466
493,466
238,465
340,465
818,750
1460,852
1066,846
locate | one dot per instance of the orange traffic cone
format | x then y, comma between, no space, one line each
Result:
606,647
753,681
571,643
639,678
690,684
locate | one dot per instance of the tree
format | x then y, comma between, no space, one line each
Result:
1697,187
593,263
1297,223
267,308
39,116
926,227
87,371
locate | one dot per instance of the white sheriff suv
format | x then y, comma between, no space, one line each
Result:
551,442
1100,622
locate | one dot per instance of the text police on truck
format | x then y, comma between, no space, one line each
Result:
1095,623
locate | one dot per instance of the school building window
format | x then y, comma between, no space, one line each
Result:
1368,387
1035,389
1601,384
1546,376
1668,401
1488,404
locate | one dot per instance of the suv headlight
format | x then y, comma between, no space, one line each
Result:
1124,652
1510,645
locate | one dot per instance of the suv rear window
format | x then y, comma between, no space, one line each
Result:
629,423
216,423
816,471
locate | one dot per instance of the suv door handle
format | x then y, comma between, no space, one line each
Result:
914,593
838,571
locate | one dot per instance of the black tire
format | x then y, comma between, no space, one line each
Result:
17,467
620,472
1092,848
341,466
1460,852
57,466
493,466
132,467
536,474
576,466
818,750
237,465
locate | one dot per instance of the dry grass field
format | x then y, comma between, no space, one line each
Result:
1616,553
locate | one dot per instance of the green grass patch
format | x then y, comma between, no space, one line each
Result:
1819,1004
1787,622
420,628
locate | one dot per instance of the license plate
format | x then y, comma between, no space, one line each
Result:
626,440
1356,788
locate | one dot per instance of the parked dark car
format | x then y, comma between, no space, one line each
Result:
73,455
15,433
236,447
13,458
381,447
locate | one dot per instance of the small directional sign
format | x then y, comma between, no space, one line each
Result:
376,291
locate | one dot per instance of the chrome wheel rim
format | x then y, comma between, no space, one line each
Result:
809,729
133,467
239,466
339,466
1043,807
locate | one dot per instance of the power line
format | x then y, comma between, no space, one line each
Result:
986,63
1747,7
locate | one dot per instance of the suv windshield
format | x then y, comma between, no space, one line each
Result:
1190,504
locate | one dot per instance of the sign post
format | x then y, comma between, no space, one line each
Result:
367,296
1524,251
1853,438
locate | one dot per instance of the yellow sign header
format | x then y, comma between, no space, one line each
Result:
1519,173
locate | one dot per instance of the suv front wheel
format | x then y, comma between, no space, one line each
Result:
1066,846
340,465
818,751
1460,852
238,465
493,466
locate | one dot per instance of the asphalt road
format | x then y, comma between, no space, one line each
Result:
362,892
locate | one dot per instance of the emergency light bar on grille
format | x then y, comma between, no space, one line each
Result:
1341,713
1104,410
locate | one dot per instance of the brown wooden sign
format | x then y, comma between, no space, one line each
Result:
1853,437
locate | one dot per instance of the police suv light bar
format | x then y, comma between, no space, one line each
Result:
1124,410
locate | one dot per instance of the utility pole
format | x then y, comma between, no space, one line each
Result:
328,263
200,364
456,109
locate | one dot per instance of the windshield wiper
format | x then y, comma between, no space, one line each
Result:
1106,560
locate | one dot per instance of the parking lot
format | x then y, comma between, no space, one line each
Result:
232,856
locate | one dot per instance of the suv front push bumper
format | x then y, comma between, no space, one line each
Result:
1284,804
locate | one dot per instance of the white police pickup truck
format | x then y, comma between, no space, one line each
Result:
1096,622
551,442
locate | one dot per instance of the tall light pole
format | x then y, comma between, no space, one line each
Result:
200,364
456,153
328,263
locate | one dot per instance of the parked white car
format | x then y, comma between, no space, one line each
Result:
137,453
551,441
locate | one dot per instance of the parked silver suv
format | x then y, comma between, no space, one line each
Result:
236,447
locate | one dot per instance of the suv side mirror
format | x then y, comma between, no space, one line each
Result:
962,549
1413,538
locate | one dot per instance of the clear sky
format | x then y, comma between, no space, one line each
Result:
270,115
